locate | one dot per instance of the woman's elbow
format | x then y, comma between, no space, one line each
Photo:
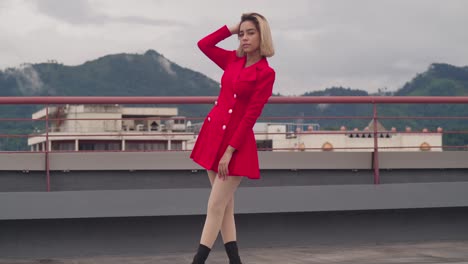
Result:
201,44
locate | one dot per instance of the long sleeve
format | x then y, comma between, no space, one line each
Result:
257,101
218,55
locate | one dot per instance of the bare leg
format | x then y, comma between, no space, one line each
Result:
228,227
221,193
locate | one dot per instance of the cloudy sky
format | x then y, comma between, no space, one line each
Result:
364,44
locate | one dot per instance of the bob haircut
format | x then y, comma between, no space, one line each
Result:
262,26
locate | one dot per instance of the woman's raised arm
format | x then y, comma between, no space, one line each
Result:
218,55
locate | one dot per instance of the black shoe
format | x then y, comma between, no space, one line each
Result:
202,254
232,252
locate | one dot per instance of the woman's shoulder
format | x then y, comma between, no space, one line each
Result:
264,67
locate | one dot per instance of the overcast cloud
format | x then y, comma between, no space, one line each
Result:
365,44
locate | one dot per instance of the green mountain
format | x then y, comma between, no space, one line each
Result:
151,74
439,80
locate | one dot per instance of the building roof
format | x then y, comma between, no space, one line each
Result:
380,127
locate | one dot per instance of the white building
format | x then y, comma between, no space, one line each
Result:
116,128
290,137
112,128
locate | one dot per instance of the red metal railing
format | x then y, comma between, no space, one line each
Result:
373,100
211,99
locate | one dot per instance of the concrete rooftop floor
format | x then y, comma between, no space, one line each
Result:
402,253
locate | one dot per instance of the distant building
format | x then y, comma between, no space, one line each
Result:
141,129
305,137
117,128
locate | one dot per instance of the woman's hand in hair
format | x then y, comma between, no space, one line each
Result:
234,28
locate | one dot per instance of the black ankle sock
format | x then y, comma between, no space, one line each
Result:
232,252
202,254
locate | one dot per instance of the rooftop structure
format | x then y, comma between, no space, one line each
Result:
64,206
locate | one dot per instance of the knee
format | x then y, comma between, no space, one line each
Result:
216,207
230,207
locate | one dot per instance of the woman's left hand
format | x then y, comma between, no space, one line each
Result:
223,171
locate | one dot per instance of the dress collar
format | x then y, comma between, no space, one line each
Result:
261,64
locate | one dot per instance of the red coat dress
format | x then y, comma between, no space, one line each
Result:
244,92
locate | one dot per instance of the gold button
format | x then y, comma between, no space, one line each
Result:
224,127
230,111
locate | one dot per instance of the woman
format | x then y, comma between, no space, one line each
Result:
226,144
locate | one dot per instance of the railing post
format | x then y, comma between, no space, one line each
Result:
376,148
47,149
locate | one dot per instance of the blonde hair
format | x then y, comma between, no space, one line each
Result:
266,41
